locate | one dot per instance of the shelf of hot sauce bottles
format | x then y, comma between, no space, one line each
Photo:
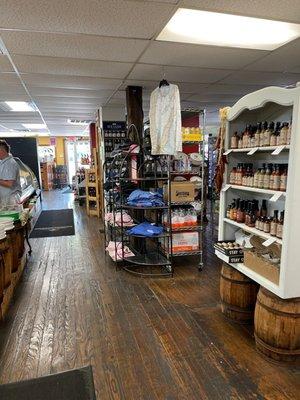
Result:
262,135
269,177
249,213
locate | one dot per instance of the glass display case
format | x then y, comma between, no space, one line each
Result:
29,182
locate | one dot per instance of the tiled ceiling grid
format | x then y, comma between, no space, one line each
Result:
74,56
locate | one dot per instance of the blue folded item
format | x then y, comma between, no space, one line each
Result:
146,229
141,198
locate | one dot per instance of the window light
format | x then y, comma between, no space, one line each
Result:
20,106
35,126
216,29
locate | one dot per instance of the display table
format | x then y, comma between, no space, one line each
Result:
13,257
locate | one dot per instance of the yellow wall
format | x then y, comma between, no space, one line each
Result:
60,151
43,141
59,148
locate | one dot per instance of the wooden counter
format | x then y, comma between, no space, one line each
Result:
13,257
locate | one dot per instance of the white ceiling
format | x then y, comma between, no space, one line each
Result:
72,56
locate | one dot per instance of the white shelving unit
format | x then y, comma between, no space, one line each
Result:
269,104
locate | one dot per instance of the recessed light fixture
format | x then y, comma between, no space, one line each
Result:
20,106
35,126
79,122
216,29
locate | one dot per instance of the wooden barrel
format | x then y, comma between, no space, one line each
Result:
7,261
13,249
277,327
238,295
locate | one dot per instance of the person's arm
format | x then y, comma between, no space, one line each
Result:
8,183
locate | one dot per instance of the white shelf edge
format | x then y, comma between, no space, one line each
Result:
256,190
251,230
265,148
252,275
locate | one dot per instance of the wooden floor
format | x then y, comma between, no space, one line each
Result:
146,339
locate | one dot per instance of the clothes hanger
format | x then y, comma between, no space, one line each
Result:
164,82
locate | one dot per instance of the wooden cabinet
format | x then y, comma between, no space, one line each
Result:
47,175
270,104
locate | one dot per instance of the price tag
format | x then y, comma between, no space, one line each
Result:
276,196
278,150
268,242
225,188
252,151
227,152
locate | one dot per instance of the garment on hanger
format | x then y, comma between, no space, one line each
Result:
165,120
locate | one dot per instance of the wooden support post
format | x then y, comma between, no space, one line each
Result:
135,114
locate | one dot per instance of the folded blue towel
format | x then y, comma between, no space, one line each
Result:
141,198
146,229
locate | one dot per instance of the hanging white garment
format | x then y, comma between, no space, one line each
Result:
165,120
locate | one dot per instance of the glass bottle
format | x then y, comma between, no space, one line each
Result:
256,178
234,141
240,142
271,184
261,177
267,225
279,228
257,135
246,137
283,133
266,182
283,179
232,207
263,209
252,136
228,211
276,177
275,133
267,134
262,134
232,176
240,216
273,224
252,217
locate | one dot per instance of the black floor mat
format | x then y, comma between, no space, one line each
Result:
54,223
76,384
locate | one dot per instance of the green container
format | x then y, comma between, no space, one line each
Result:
11,214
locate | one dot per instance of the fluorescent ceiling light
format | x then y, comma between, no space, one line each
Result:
216,29
20,106
35,126
78,122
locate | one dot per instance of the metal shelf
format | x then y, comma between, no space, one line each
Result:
128,207
186,228
264,148
185,253
151,258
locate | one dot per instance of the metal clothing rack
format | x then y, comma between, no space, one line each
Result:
152,256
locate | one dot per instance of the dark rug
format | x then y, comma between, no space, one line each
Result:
76,384
54,223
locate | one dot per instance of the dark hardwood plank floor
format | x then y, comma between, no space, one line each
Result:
145,338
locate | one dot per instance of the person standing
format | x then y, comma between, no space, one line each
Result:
10,185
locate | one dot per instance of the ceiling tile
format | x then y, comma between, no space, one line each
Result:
96,94
89,47
71,66
287,10
70,82
183,54
177,74
240,90
284,59
5,65
262,78
106,17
